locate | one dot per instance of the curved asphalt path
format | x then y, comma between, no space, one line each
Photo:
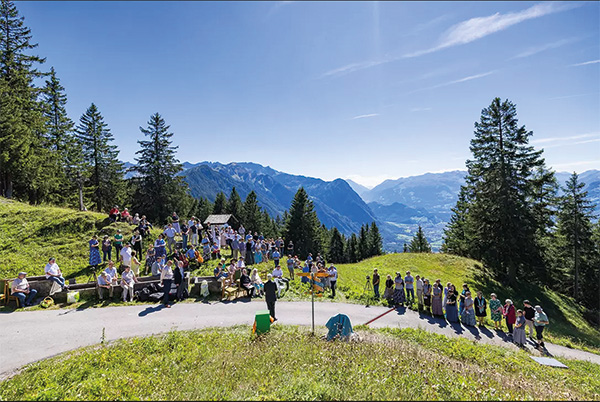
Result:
26,337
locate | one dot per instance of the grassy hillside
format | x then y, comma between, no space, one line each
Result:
30,235
290,364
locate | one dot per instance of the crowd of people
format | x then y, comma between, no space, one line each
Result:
167,259
447,303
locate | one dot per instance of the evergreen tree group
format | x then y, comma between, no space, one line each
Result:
509,214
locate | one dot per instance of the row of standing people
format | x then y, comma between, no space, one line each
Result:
448,303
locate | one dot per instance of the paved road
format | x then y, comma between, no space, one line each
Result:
26,337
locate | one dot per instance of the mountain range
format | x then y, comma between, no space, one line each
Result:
398,206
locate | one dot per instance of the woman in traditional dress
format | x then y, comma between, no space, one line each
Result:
257,283
436,300
519,337
446,290
95,258
258,253
399,296
509,313
427,294
451,309
463,294
388,294
480,308
468,314
496,311
135,264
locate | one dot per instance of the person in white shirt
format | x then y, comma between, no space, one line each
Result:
54,274
170,233
125,256
166,280
279,279
128,279
333,275
20,288
111,273
419,284
104,285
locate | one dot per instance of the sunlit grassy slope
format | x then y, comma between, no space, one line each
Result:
289,363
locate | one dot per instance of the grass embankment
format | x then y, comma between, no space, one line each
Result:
290,364
29,235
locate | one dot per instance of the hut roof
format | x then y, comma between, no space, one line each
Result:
219,219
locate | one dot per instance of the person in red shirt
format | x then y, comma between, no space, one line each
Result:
125,216
510,314
114,213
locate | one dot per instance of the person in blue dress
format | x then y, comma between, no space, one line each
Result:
306,270
95,258
451,309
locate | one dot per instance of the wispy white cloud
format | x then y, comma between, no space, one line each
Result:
585,63
419,109
469,78
538,49
429,24
563,139
480,27
364,116
350,68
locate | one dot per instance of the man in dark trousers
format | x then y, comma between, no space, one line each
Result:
271,295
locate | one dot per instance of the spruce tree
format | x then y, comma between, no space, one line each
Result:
419,243
27,166
576,252
220,203
61,140
104,177
363,242
375,242
160,191
303,226
456,236
352,249
251,214
203,209
234,204
336,247
500,222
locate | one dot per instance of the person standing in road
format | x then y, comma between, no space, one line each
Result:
166,280
540,320
408,285
529,314
270,288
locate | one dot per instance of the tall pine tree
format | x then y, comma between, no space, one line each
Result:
220,203
375,242
303,226
251,214
160,191
234,204
336,247
499,222
28,169
104,177
576,255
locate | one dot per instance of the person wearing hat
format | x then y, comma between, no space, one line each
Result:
54,274
510,314
529,314
104,285
540,320
271,295
20,289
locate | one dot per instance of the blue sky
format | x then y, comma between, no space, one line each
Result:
360,90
